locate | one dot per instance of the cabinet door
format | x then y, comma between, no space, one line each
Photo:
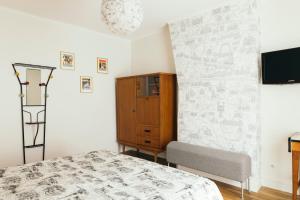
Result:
148,110
126,103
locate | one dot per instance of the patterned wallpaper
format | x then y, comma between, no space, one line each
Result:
216,56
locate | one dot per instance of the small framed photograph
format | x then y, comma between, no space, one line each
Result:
67,60
86,84
102,65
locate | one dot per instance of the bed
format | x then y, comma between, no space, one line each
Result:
102,175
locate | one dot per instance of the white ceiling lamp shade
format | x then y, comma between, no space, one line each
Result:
122,16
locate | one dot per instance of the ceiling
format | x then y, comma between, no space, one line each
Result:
86,13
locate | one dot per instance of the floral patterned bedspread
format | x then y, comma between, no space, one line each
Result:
102,175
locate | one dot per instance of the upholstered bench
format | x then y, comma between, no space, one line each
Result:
234,166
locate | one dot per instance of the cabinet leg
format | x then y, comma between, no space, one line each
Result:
295,174
124,148
155,157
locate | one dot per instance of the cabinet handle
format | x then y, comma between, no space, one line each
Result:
147,131
147,142
133,110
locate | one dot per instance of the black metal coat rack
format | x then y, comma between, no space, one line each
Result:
38,122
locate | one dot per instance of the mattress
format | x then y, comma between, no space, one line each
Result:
103,175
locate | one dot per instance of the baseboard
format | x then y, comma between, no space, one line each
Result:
285,186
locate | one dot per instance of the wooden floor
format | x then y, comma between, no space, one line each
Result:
233,193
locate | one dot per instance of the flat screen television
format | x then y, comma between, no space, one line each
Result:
281,67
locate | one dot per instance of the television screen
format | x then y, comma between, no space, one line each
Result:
281,67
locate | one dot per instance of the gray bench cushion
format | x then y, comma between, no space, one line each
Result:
225,164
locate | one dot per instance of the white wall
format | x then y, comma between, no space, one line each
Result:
76,122
280,103
153,53
280,108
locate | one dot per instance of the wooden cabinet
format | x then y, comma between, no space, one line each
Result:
146,111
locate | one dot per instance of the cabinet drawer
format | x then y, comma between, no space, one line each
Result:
148,142
148,110
148,131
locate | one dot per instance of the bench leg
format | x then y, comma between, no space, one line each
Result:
242,190
248,184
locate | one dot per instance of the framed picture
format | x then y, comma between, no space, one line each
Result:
86,84
67,60
102,65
